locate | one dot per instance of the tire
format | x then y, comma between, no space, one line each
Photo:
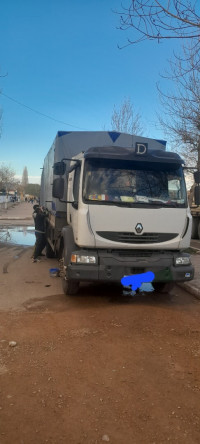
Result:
70,287
198,231
163,287
195,228
49,252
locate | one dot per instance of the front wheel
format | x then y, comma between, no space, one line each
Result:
163,287
70,287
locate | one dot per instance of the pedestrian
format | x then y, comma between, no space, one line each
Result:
39,216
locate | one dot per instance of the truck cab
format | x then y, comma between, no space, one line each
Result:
127,213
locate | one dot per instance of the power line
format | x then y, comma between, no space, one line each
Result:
41,114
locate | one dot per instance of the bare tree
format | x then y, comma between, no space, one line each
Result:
157,20
181,120
124,119
7,178
33,189
174,19
25,177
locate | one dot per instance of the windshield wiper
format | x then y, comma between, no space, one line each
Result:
164,204
119,203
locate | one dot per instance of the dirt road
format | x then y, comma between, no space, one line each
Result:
98,367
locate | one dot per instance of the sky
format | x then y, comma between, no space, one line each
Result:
64,65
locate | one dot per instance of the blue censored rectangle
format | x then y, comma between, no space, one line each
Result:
136,280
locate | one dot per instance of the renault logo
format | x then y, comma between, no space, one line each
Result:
139,228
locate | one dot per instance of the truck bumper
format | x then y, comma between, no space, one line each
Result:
112,267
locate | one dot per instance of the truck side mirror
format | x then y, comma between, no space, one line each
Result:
197,195
58,188
59,168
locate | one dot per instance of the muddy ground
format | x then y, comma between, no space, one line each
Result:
97,367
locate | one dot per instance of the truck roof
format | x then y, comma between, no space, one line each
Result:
70,143
112,135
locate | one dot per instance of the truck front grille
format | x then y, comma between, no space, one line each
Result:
132,238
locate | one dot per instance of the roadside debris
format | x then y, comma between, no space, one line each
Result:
12,344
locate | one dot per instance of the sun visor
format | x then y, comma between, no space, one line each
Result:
130,154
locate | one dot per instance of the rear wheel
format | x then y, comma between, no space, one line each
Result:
49,252
163,287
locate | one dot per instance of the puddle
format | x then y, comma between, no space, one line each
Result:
17,235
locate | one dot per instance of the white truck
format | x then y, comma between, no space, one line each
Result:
117,207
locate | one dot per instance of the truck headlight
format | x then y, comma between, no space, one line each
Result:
83,259
183,260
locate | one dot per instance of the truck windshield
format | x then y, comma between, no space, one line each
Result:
140,183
